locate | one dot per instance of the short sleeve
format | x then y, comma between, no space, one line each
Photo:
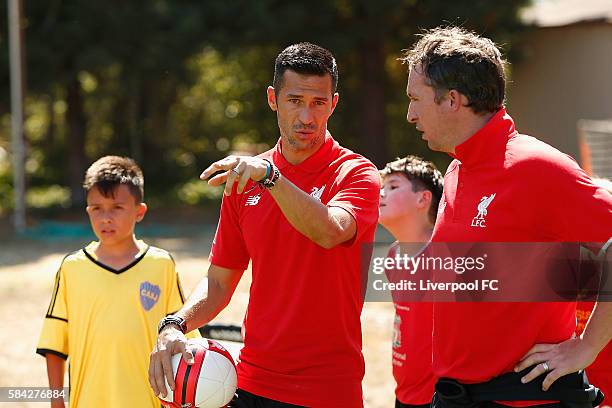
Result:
359,195
228,248
586,212
54,335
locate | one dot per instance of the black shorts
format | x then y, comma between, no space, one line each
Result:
244,399
437,402
399,404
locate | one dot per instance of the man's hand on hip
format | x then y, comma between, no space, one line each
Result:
556,360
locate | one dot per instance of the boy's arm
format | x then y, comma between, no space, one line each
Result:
208,299
55,372
53,341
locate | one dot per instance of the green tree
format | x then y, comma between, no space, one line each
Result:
143,43
177,84
367,37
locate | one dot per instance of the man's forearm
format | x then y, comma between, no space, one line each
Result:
211,296
325,226
598,330
204,304
310,217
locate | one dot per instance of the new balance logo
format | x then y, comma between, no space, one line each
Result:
479,219
253,200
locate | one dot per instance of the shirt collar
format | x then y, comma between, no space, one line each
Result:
488,142
313,164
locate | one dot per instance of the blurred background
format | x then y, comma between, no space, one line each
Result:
177,84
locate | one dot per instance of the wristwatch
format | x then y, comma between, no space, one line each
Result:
172,319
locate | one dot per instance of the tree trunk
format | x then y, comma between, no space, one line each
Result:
75,116
51,129
373,120
136,118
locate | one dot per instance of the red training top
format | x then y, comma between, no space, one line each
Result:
600,372
302,341
540,195
412,331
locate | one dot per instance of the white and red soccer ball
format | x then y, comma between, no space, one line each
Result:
210,382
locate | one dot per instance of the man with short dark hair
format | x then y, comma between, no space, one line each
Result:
502,187
299,213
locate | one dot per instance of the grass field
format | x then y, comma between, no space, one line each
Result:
27,269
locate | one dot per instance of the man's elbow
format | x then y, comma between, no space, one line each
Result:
333,238
220,292
326,243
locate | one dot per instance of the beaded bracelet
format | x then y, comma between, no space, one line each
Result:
272,175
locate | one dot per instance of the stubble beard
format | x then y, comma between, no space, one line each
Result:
296,145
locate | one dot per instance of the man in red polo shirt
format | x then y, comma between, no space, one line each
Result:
299,213
502,187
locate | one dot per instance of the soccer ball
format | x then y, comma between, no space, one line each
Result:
210,382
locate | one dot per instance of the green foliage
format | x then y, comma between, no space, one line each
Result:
48,197
178,84
6,189
196,192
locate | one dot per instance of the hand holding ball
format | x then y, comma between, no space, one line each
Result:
210,382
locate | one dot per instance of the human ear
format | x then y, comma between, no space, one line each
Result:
335,99
272,98
455,99
425,198
141,210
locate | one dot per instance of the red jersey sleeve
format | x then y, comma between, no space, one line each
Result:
584,209
228,248
359,194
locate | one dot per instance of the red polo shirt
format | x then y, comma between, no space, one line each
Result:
412,331
541,195
600,372
302,341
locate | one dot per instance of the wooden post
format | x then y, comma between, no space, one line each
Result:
17,91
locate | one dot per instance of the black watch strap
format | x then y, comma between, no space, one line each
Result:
172,319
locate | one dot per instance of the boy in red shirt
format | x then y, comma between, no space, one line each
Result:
409,198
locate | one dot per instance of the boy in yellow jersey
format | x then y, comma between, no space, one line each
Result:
108,298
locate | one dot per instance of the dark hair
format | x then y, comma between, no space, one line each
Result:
306,59
108,172
453,58
423,175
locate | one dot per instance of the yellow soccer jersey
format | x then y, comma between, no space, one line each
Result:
105,321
